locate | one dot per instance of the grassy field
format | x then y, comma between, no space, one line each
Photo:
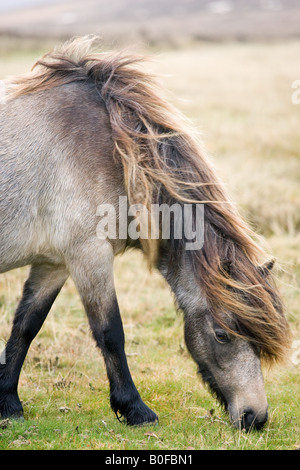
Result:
239,96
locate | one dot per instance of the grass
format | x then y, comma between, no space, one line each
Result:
239,94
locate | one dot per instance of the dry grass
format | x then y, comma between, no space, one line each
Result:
239,95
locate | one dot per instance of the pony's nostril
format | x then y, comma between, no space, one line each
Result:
250,420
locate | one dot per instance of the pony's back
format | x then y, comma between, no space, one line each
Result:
56,168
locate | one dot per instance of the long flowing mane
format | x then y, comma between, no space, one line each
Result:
162,157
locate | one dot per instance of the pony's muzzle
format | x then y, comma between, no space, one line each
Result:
249,419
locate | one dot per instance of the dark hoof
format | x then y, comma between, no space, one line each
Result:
17,416
141,416
11,407
133,412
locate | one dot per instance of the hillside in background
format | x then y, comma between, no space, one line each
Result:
152,21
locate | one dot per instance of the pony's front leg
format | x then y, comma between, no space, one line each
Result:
124,397
92,272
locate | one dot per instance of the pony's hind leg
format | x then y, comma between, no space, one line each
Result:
40,291
93,275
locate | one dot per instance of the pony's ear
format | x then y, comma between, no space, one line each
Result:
265,269
227,266
228,260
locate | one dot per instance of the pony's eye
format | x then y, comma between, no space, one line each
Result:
221,336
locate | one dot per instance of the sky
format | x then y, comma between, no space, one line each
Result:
7,5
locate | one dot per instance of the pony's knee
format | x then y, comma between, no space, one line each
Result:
110,336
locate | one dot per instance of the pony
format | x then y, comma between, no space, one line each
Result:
81,130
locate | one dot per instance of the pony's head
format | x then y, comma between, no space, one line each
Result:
227,349
233,315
